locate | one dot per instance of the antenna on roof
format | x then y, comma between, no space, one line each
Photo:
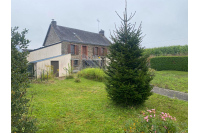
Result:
98,24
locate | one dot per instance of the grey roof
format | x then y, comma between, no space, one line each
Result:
46,59
79,36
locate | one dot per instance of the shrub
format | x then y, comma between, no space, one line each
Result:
20,119
96,74
151,122
169,63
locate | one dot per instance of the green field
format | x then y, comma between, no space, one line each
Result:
66,106
174,80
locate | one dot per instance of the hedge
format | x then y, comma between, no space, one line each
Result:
169,63
169,50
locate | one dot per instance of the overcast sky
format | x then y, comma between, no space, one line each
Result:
164,22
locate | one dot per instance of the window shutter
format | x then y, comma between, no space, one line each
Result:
99,51
69,48
77,49
72,63
93,50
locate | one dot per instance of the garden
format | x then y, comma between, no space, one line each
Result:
69,106
116,99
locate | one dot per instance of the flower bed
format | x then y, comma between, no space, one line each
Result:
151,121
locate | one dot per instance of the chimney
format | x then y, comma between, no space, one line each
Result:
53,23
101,32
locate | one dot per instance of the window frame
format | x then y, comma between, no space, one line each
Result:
72,50
75,63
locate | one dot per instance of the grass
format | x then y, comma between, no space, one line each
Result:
174,80
92,73
67,106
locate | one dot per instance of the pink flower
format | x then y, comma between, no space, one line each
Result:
153,109
143,113
146,117
162,113
149,111
147,120
165,127
150,115
154,115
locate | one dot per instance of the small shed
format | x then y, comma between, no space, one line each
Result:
56,65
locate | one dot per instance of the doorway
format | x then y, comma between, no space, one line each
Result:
55,65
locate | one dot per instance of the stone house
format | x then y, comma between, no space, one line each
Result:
86,49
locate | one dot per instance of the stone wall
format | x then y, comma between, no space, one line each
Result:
51,37
79,57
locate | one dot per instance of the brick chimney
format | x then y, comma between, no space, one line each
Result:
53,23
101,32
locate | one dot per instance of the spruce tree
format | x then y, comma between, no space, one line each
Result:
128,79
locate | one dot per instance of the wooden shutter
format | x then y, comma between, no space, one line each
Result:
77,49
69,48
99,51
72,63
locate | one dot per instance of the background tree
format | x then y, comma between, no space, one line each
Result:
20,122
128,80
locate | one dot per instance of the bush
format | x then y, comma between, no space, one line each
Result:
96,74
20,119
151,122
169,63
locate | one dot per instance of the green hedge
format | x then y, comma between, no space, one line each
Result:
169,63
169,50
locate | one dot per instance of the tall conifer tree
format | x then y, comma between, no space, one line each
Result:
128,80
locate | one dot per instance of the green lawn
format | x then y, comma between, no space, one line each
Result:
66,106
174,80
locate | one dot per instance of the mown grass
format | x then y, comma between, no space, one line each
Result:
174,80
66,106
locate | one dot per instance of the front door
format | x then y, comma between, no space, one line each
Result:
84,52
55,65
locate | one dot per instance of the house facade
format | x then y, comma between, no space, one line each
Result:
86,49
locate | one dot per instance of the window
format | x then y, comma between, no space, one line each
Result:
96,51
75,62
72,49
